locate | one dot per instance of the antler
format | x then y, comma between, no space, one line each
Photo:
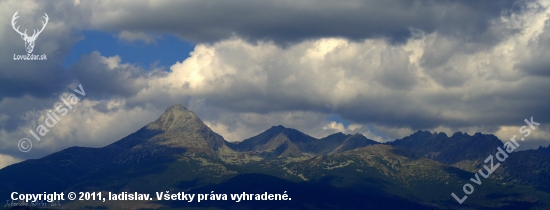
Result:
43,26
13,24
35,32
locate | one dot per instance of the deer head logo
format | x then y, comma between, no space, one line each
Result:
29,40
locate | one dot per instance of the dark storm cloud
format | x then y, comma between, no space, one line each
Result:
293,21
105,77
41,79
22,79
396,72
35,78
538,64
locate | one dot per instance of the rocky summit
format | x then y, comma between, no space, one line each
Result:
182,128
179,153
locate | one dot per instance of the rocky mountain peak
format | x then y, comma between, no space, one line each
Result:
174,133
175,118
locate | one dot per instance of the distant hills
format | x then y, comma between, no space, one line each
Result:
179,153
280,142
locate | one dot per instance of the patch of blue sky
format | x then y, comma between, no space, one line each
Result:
338,119
165,51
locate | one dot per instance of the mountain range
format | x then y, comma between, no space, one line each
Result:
179,153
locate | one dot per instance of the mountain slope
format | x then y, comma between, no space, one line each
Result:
279,141
178,152
530,167
460,150
176,132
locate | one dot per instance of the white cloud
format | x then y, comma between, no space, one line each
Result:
90,123
3,118
335,127
363,82
6,160
436,80
235,126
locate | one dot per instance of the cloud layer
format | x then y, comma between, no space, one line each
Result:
388,68
295,21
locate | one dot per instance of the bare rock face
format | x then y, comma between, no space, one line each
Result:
176,119
177,131
182,128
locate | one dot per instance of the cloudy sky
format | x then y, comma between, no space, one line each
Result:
381,68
